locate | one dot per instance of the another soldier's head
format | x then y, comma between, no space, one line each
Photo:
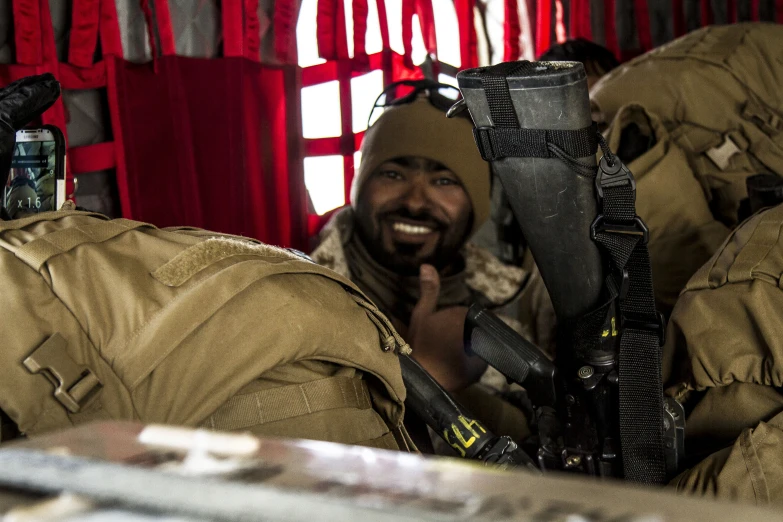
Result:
598,60
422,188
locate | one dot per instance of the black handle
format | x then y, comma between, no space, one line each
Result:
511,354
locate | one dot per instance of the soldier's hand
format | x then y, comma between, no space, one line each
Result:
20,103
436,337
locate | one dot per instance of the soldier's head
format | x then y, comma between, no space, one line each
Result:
598,60
421,188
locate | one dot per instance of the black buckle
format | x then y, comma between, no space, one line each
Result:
635,228
485,138
612,176
658,326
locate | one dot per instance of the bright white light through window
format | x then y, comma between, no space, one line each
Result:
418,50
447,31
357,160
324,181
448,80
348,8
496,15
373,42
321,110
364,91
306,42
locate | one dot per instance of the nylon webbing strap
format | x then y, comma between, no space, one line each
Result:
496,143
505,139
275,404
624,236
38,251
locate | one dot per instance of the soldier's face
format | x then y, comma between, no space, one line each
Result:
413,211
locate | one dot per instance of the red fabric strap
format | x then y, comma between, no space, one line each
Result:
360,14
383,21
149,20
610,27
72,77
84,32
427,23
467,33
731,7
326,29
678,18
92,158
779,11
755,12
232,28
643,24
284,23
580,19
165,30
123,183
706,13
544,26
111,43
512,31
27,32
408,8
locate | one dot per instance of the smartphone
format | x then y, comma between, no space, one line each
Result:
36,182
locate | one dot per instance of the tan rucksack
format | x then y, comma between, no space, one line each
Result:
711,101
116,319
724,360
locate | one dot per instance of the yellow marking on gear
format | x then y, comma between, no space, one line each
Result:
614,329
460,444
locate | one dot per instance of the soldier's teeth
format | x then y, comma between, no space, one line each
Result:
411,229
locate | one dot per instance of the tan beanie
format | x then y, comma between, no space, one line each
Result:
419,129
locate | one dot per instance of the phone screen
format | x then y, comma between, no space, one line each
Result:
32,182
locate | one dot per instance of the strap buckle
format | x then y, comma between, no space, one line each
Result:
613,176
658,326
485,138
74,383
634,228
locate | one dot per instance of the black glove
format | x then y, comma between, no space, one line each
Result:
20,103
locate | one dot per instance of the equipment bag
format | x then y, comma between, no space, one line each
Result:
116,319
717,92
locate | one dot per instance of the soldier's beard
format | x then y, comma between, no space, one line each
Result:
403,257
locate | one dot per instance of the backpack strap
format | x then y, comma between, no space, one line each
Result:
38,251
284,402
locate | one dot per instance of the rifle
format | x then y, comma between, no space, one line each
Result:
600,406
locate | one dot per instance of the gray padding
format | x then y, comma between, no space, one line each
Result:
196,26
60,11
133,31
88,118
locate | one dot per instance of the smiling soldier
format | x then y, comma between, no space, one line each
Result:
419,194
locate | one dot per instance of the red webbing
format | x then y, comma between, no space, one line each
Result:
408,9
111,43
121,173
85,20
360,13
427,23
543,26
779,11
511,30
326,29
580,19
706,13
468,40
755,10
643,24
27,32
610,27
92,158
233,35
383,21
165,29
72,77
284,23
731,7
